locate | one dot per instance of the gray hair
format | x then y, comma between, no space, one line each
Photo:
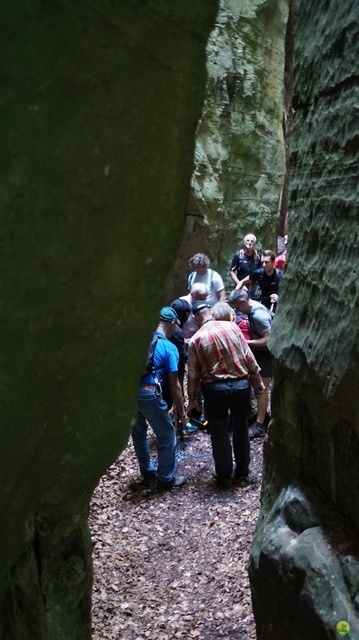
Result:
250,235
222,311
199,287
238,295
200,259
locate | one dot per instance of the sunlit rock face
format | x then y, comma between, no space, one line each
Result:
100,102
239,160
304,562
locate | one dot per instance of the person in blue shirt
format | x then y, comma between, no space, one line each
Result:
163,360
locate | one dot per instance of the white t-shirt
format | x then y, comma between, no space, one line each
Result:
213,281
190,326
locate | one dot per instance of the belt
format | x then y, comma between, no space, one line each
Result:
225,380
149,387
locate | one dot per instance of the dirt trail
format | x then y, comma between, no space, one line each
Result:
174,564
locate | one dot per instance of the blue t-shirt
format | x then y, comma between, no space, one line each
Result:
165,359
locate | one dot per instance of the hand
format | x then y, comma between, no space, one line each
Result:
184,419
259,389
274,298
193,404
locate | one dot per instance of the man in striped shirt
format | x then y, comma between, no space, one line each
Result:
221,362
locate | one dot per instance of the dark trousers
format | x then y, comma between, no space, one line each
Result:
220,398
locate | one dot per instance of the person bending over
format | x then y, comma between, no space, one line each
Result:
220,361
260,325
162,361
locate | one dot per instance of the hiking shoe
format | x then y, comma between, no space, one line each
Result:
148,481
177,481
257,430
224,483
241,475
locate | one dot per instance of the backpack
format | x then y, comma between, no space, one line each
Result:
257,258
192,276
245,328
243,323
150,365
254,291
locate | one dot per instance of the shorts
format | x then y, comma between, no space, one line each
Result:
264,359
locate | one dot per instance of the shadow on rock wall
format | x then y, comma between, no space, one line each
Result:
239,161
304,561
99,108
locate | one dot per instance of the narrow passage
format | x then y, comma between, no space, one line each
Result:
174,564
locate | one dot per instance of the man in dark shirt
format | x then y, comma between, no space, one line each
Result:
183,309
267,277
245,260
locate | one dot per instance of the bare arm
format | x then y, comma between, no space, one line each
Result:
176,393
260,342
243,283
221,295
194,379
233,276
257,383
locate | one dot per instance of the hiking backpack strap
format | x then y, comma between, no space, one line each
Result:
150,366
192,276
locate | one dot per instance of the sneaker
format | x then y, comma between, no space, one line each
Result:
257,430
253,418
177,481
190,427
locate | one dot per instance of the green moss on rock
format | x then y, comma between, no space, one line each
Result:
99,109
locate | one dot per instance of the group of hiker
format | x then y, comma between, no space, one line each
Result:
221,342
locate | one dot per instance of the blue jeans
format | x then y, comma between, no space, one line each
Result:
153,408
220,398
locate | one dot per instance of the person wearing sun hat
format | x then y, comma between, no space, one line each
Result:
162,361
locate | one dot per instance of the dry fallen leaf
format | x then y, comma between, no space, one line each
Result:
174,564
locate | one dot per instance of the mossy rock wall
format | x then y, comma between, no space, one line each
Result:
100,103
304,561
239,162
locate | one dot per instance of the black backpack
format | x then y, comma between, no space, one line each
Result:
150,365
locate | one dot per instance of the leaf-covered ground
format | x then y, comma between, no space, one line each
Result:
174,564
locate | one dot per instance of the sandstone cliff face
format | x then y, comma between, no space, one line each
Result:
99,107
239,161
305,553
